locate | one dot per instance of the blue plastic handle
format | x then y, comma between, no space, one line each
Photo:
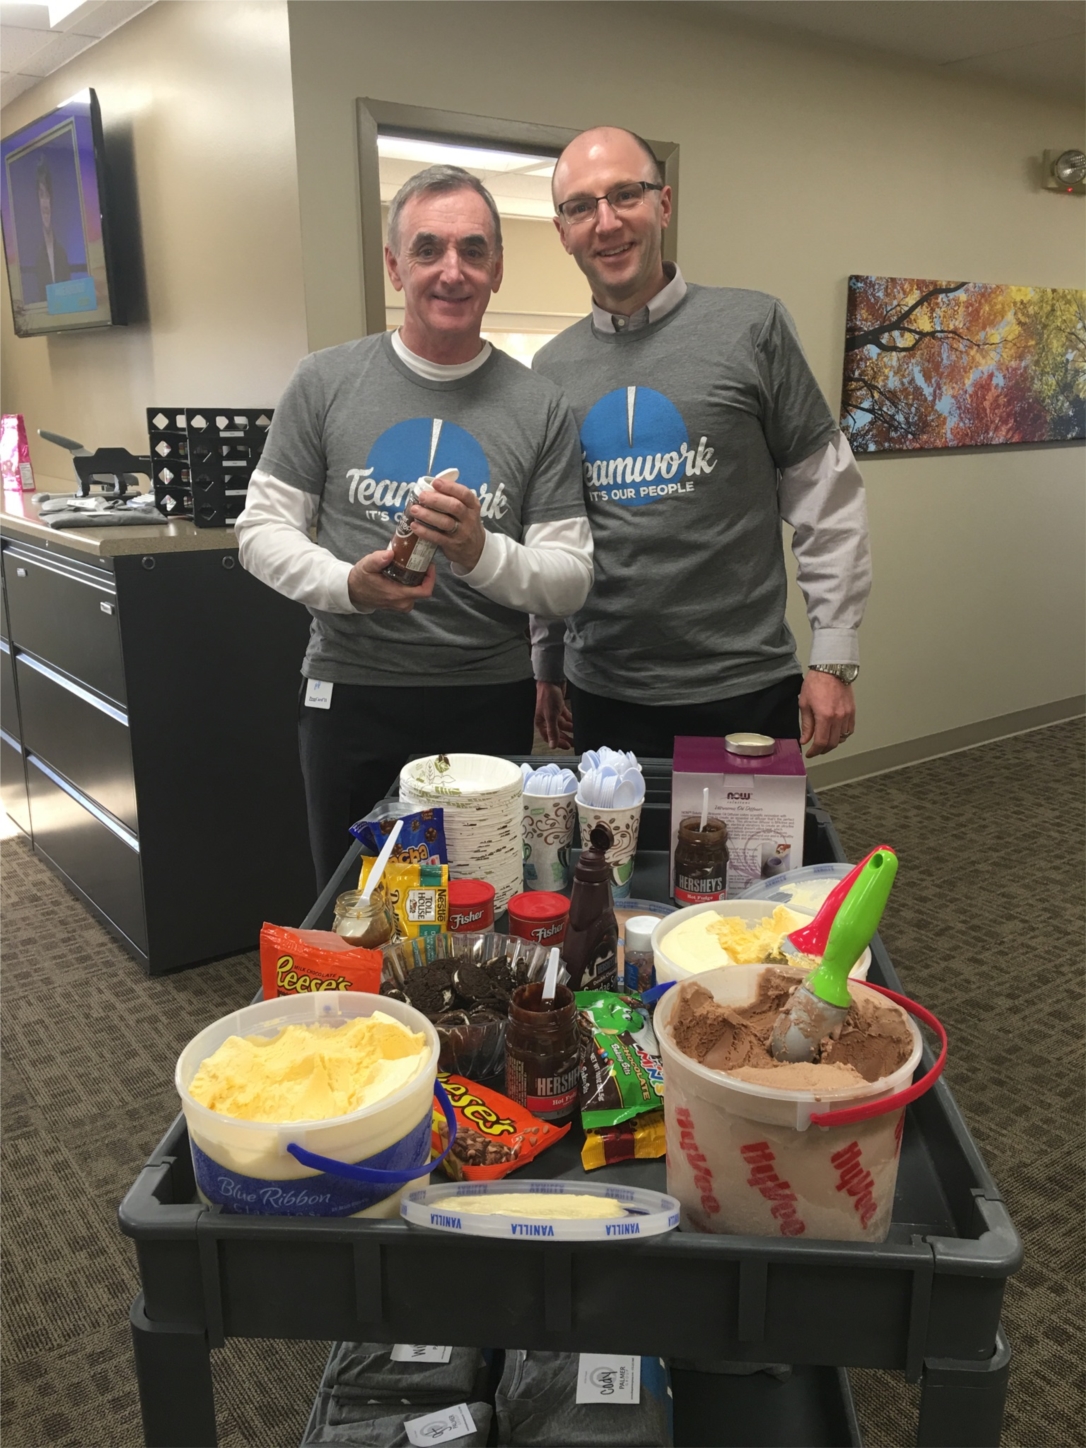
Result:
374,1174
654,992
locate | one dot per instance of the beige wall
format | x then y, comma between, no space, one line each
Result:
800,163
204,91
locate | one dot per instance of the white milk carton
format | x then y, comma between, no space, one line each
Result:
761,797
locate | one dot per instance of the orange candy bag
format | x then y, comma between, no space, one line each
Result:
295,961
494,1135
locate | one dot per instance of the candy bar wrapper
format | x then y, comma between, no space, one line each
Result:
418,894
494,1135
421,842
634,1140
295,961
621,1074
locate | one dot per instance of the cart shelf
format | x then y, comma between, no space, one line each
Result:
925,1302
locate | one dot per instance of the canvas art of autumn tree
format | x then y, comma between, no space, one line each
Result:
961,364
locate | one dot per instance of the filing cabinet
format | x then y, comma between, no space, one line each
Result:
148,741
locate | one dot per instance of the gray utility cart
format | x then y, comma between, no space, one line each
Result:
926,1302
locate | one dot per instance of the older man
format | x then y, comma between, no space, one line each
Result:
394,670
701,427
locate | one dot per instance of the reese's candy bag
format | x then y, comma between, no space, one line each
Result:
295,961
621,1074
421,841
494,1135
418,894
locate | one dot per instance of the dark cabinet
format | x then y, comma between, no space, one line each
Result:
65,611
150,722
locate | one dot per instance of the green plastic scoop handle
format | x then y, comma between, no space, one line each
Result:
853,929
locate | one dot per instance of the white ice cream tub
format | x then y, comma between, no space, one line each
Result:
246,1167
751,912
745,1158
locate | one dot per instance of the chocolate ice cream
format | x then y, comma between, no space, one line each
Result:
873,1041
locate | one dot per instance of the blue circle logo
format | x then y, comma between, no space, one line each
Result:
425,446
634,443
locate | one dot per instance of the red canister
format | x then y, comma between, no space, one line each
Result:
539,915
471,905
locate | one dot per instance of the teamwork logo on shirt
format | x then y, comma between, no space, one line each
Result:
421,447
636,450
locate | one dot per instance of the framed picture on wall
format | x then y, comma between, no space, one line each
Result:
932,364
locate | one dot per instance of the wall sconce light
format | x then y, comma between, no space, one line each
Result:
1065,171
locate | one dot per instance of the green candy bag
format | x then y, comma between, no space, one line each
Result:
621,1074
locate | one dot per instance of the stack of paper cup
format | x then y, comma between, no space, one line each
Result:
481,797
611,792
550,815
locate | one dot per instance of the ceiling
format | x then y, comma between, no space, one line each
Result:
1035,45
31,48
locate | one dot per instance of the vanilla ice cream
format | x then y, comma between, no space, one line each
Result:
544,1206
709,939
310,1072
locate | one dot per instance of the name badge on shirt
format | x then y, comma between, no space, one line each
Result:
318,694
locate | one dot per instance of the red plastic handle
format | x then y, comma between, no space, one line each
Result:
899,1098
811,938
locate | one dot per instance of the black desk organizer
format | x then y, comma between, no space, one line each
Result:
203,459
926,1302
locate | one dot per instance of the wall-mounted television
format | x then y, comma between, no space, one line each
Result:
56,224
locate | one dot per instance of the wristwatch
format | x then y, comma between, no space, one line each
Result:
847,673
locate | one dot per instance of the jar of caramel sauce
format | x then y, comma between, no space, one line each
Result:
366,923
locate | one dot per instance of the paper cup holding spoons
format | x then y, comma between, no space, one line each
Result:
624,823
548,823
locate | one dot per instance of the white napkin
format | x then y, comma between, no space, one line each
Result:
548,779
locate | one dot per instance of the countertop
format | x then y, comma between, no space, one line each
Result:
19,519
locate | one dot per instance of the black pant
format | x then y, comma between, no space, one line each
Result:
650,729
353,752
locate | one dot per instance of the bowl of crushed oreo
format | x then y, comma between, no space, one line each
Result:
462,983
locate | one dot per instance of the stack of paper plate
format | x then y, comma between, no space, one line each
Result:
481,797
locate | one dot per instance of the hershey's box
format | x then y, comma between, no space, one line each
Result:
760,797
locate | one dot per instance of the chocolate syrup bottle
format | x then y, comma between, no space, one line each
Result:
590,950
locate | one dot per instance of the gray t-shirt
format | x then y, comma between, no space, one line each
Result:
684,424
356,427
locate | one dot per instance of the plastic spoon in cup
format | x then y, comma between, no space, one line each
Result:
550,980
820,1004
382,860
810,939
704,809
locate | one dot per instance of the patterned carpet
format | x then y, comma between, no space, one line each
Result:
986,910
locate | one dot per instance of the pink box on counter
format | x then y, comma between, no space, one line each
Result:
761,799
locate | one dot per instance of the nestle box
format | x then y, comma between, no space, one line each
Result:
761,799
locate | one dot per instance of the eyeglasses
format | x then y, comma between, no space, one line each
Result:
626,197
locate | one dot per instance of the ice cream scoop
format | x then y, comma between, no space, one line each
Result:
820,1004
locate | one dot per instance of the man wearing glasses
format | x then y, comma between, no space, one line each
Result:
394,670
701,427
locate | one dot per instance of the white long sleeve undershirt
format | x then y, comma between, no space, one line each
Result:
549,573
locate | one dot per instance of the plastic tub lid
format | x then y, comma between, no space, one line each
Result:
539,905
470,892
749,744
647,1214
794,886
